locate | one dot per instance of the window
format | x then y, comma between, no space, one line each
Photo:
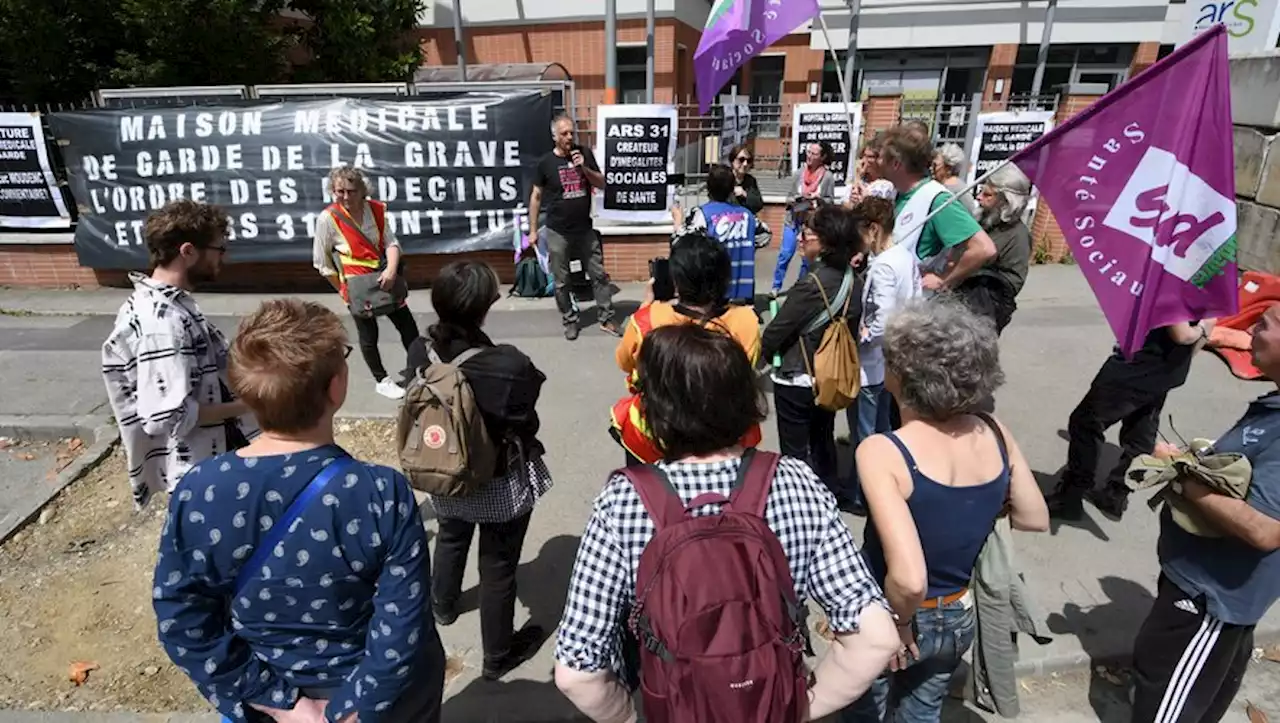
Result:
631,74
1108,64
766,92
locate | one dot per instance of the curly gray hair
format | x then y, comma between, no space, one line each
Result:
952,156
351,175
945,357
1012,189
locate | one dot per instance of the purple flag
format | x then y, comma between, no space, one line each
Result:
738,30
1142,184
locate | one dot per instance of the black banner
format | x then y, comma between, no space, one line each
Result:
29,195
454,171
636,154
830,127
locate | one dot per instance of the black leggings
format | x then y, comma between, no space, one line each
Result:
367,332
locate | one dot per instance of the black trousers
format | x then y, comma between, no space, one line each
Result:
500,547
367,331
807,432
583,247
1187,665
1111,400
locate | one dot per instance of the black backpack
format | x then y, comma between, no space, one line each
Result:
531,281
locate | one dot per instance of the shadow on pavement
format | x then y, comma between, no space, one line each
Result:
541,584
1106,634
526,700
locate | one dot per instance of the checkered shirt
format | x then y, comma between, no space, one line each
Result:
825,563
503,499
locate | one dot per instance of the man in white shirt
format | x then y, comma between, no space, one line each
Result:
164,364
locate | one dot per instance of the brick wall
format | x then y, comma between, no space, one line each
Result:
579,47
53,266
1046,237
880,113
1143,57
999,67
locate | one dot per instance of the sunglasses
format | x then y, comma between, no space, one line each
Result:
743,159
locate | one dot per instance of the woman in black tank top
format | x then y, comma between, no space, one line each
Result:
934,491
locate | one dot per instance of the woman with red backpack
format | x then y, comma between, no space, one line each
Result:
722,642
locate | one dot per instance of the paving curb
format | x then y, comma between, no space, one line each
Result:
105,437
1071,662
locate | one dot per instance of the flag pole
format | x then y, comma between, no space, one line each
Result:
845,92
956,196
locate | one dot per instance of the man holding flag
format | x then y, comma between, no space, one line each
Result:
1142,184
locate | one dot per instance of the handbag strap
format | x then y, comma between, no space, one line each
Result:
281,526
842,299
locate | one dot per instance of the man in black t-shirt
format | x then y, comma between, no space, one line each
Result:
562,185
1130,393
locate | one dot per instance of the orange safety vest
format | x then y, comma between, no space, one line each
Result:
362,258
633,433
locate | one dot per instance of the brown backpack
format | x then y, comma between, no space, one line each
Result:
445,448
836,372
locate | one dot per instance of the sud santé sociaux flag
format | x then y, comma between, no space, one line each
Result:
738,30
1142,184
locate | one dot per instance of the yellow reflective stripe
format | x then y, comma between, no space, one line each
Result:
638,422
368,263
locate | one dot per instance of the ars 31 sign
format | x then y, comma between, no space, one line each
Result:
1252,25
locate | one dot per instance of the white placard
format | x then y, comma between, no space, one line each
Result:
735,128
636,147
1000,135
827,122
29,193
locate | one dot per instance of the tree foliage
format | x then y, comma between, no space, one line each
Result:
56,50
61,50
359,42
200,42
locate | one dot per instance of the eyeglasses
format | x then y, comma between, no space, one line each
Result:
219,249
348,351
743,159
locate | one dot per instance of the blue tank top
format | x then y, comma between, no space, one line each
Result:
953,523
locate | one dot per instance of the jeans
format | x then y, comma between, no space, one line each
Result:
584,247
869,415
1107,402
807,432
790,237
500,547
915,695
367,333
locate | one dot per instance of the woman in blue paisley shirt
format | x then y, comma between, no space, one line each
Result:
293,582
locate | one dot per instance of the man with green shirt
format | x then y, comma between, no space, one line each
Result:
951,245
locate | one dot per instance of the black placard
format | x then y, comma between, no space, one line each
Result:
29,197
999,141
454,171
635,163
831,128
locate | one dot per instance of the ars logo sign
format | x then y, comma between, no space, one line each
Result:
1172,210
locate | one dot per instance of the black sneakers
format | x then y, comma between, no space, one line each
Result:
523,645
1065,503
1110,500
571,332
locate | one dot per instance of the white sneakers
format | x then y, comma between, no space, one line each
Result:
390,389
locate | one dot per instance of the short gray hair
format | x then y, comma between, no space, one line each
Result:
952,157
560,117
1013,189
945,357
351,174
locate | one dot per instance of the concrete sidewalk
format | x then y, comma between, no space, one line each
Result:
1094,580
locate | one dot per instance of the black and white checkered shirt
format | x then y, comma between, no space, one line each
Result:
503,499
825,563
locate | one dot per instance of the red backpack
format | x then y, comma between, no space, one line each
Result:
721,632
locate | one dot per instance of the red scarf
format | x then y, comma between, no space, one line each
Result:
810,178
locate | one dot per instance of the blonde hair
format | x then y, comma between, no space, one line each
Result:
283,358
351,175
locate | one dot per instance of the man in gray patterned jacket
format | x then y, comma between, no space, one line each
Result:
164,364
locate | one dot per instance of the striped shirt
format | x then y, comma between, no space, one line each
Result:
162,361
